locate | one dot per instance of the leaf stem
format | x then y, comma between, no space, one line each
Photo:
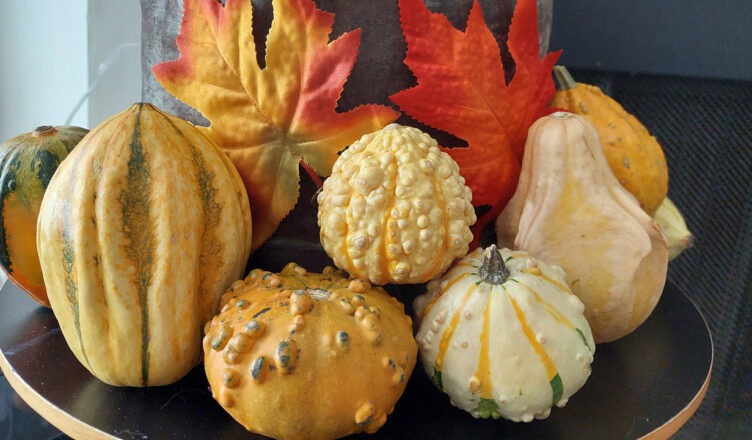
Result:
315,177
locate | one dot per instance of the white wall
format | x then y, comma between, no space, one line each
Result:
43,64
50,54
114,36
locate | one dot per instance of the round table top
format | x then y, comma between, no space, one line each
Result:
645,385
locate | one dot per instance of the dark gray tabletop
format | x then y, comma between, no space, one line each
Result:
647,383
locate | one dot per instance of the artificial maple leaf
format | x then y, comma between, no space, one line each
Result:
268,119
462,90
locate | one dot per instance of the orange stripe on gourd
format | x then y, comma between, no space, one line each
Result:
446,336
548,364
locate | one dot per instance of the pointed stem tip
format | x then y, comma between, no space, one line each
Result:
493,270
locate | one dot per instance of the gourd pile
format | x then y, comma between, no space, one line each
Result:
144,230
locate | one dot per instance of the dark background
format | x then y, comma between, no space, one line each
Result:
684,69
697,38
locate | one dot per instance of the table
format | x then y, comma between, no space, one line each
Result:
645,385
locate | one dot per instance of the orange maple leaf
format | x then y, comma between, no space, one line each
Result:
268,119
462,90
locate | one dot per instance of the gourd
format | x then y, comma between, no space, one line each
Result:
395,208
304,355
141,230
502,334
635,156
27,163
674,227
569,210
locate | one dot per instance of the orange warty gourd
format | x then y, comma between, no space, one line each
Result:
300,355
635,156
141,230
27,163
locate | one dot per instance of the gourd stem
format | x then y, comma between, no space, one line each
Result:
563,78
493,270
43,130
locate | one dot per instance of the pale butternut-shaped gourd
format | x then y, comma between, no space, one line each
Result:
570,210
302,355
502,334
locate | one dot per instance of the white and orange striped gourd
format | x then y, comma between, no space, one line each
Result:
502,334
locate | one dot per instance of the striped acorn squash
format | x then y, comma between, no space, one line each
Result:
141,230
27,163
504,336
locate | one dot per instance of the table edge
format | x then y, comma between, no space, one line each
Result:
76,428
63,421
673,425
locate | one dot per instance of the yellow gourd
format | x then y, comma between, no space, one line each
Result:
395,208
302,355
635,156
142,228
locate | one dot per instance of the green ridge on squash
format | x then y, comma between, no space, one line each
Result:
488,408
134,202
9,167
71,289
557,387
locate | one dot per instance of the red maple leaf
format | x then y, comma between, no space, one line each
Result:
462,90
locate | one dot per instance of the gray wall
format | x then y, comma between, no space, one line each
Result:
680,37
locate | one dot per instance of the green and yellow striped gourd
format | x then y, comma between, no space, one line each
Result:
502,334
141,230
27,163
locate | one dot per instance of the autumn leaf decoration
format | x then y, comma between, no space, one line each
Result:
462,90
268,119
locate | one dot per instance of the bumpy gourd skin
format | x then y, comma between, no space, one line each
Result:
302,355
395,208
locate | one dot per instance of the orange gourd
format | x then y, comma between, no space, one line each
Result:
635,156
308,355
27,163
395,208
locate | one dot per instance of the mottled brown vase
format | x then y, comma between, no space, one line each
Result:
378,73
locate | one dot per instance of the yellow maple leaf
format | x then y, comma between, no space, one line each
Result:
269,119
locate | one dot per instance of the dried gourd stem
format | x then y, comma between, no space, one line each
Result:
493,270
564,79
43,130
315,177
